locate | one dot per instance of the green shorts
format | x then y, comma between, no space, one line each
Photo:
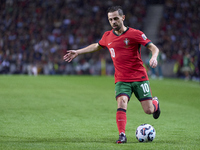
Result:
141,90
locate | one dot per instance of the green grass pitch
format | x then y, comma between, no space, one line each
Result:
78,112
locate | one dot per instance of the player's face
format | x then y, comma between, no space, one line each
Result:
115,20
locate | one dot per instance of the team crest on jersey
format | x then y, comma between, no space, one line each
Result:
144,36
126,41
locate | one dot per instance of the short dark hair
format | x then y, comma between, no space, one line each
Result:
115,8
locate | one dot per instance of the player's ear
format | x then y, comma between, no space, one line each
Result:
123,17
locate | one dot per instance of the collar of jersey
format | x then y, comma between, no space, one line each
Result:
120,34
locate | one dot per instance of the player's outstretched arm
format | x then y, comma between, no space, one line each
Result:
153,61
71,54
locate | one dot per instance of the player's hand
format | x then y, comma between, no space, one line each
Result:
153,62
71,54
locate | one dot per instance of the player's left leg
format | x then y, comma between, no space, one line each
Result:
151,107
143,92
156,113
147,106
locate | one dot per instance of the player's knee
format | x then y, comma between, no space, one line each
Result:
148,107
148,110
122,102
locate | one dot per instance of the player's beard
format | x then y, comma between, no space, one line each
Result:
118,27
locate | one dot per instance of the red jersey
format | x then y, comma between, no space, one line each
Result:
125,51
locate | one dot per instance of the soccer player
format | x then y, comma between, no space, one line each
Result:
124,44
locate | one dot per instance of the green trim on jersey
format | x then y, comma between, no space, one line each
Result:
147,44
120,34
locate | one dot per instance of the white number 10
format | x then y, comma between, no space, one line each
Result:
112,52
145,87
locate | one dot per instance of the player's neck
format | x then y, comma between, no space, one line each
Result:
121,30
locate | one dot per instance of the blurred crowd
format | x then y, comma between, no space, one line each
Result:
34,35
179,36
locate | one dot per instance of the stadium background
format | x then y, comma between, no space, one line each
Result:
34,35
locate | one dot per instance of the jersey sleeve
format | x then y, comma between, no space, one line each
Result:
142,39
102,42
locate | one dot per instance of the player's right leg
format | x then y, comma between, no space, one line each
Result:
121,119
123,93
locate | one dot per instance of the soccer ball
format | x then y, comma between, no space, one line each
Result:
145,133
